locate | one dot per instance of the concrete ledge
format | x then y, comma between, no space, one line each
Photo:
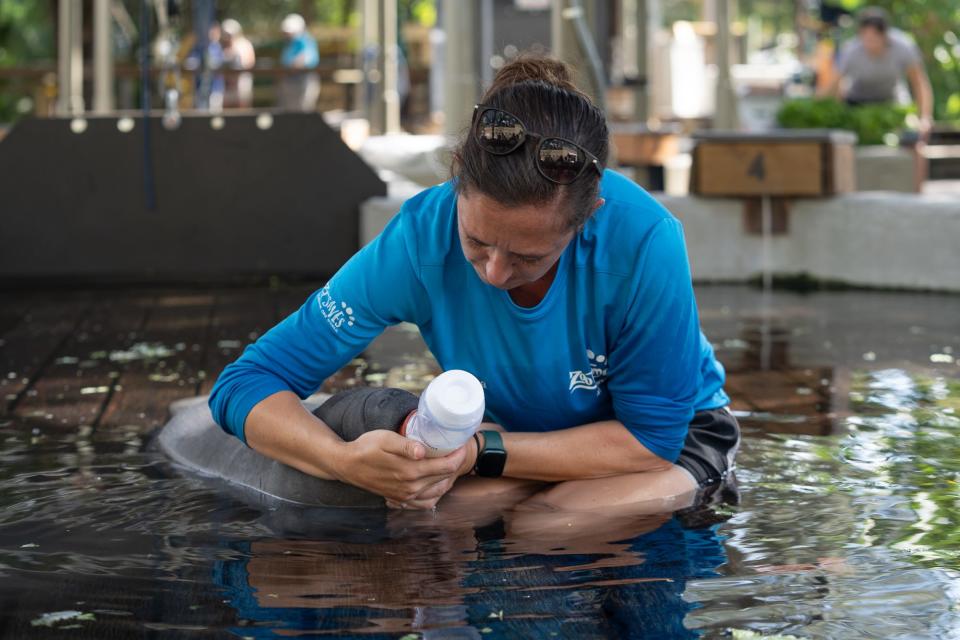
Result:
884,168
875,239
871,239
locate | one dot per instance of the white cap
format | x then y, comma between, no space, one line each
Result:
293,24
231,27
455,399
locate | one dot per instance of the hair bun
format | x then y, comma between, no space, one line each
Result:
536,69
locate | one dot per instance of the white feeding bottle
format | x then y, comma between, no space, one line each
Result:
450,410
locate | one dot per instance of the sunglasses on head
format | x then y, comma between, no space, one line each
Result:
558,160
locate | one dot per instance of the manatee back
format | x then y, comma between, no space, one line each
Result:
193,440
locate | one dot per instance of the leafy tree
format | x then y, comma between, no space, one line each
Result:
26,36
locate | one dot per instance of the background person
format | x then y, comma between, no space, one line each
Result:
205,60
871,68
238,53
299,89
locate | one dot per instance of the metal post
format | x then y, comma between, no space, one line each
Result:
70,58
726,113
391,67
102,57
460,84
560,44
63,57
486,43
635,56
76,58
372,58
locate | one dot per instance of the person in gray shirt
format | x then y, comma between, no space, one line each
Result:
871,68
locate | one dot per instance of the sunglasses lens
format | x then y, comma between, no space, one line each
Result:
560,161
499,132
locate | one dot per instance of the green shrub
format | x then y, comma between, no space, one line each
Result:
870,122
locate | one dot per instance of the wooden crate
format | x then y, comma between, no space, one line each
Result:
638,146
787,163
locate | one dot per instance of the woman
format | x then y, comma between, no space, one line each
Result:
563,287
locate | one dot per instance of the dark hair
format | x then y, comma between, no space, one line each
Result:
538,90
874,18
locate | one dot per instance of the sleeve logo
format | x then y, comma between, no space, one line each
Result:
335,313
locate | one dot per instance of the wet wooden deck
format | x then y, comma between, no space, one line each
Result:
116,358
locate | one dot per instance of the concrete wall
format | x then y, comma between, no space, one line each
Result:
875,239
237,196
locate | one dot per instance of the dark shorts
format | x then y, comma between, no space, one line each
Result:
711,445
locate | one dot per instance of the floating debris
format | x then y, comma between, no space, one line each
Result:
164,377
52,618
228,344
869,356
67,360
941,358
141,351
87,391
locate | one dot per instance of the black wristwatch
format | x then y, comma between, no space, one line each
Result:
492,457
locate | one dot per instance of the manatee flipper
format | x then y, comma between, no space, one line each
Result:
193,440
354,412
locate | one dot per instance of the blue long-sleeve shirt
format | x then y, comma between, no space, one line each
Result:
617,335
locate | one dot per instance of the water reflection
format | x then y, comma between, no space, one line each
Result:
848,524
522,574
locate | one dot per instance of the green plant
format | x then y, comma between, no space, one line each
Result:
26,36
872,123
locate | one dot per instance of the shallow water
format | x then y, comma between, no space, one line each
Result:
847,525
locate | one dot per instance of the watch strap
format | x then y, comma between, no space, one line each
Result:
492,456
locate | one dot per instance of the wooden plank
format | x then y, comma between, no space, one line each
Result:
163,366
239,318
842,174
74,387
643,148
30,345
776,168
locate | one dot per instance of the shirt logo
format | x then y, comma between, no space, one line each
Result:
593,378
336,314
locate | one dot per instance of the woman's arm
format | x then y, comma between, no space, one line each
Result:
595,450
380,461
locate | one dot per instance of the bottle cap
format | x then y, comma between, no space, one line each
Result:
455,399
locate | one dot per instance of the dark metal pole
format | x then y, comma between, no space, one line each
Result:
149,192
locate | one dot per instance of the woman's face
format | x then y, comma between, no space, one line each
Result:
511,246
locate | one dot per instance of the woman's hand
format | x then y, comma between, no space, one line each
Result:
395,467
431,495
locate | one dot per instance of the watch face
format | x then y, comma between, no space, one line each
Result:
491,462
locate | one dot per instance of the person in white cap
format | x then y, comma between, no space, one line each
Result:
300,88
238,53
